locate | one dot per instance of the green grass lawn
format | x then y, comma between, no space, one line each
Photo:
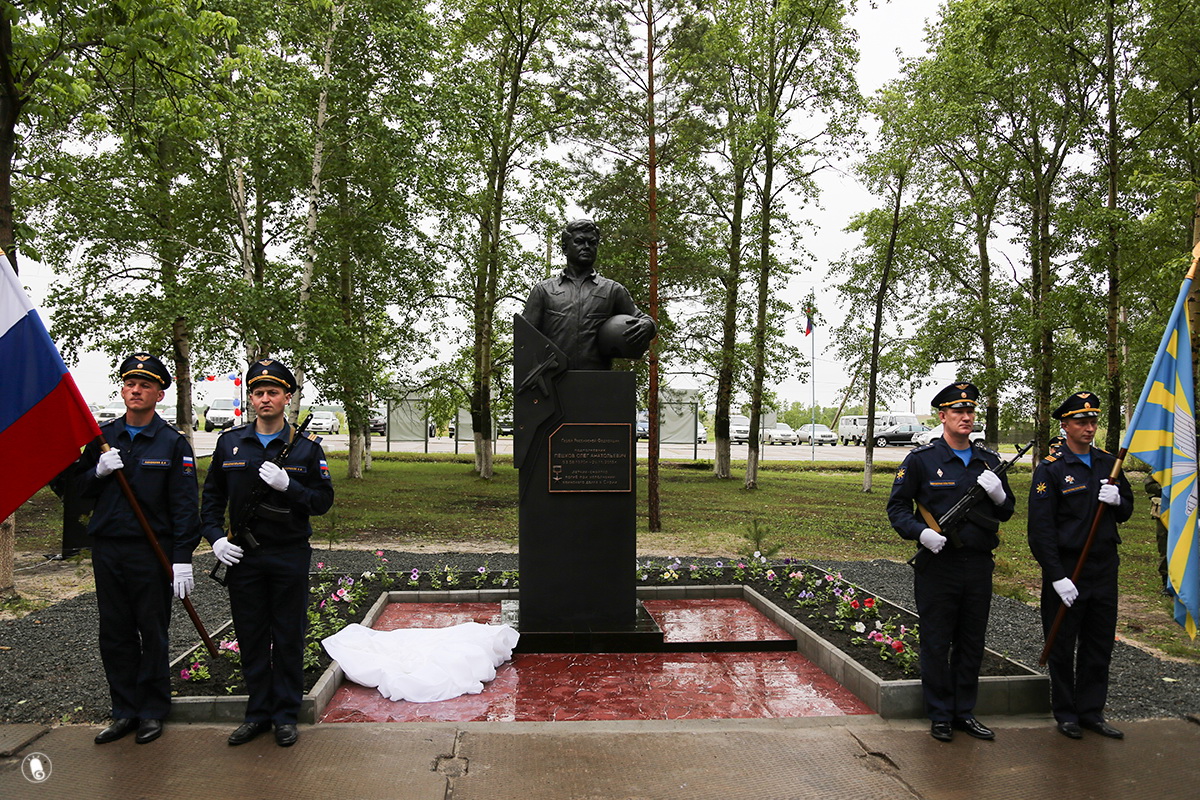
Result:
812,510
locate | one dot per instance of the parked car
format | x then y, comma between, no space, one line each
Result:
739,430
219,415
111,411
928,436
642,429
170,416
898,434
504,427
782,433
324,422
701,433
816,434
378,420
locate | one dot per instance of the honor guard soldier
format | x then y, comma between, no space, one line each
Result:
1067,489
133,594
267,551
953,580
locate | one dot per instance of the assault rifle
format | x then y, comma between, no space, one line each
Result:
950,521
255,508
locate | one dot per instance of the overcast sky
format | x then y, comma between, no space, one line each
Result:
884,31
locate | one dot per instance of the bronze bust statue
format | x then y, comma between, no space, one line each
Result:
589,317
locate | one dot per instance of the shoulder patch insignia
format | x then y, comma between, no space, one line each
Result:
1040,488
312,437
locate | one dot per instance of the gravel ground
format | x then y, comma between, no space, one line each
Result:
50,663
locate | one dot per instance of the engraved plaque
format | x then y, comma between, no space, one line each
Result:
591,457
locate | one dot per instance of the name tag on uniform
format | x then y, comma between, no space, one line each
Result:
942,484
234,464
299,469
1073,489
156,463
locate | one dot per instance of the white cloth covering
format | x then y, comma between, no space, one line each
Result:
422,665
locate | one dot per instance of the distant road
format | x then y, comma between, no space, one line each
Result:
205,442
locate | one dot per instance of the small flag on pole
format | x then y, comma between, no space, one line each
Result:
808,320
43,419
1162,433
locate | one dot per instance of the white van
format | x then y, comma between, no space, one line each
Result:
853,429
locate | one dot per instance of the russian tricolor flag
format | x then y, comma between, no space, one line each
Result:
43,419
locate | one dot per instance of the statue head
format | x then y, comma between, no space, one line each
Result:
580,239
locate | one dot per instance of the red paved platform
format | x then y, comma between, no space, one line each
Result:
605,686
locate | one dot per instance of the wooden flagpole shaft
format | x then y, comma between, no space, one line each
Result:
127,490
1083,554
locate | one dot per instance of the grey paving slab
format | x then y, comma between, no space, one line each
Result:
330,762
16,737
718,764
1158,759
845,758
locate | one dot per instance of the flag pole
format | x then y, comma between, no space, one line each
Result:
127,490
1116,470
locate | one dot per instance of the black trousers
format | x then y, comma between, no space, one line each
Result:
1082,651
954,598
133,596
268,595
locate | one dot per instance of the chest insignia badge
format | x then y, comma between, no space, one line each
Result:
939,473
1069,479
235,451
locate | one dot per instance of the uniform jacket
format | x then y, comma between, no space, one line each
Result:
233,475
1063,498
570,313
936,477
161,470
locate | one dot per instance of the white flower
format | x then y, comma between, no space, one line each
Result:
859,627
878,624
757,554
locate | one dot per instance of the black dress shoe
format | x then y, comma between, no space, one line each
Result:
975,728
247,731
286,735
1070,729
119,728
941,731
148,731
1104,729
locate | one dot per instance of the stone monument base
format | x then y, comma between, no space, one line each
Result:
643,636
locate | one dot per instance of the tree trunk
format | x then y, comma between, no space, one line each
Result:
314,209
873,372
1112,440
653,510
760,319
726,368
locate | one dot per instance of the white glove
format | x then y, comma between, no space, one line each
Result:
1109,493
227,552
991,484
110,460
273,476
933,540
1066,590
183,583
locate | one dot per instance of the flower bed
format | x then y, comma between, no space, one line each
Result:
861,640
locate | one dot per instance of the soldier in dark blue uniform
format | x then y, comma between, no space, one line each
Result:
953,584
1067,488
268,584
132,592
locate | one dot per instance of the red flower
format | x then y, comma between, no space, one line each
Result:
869,602
898,646
854,604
